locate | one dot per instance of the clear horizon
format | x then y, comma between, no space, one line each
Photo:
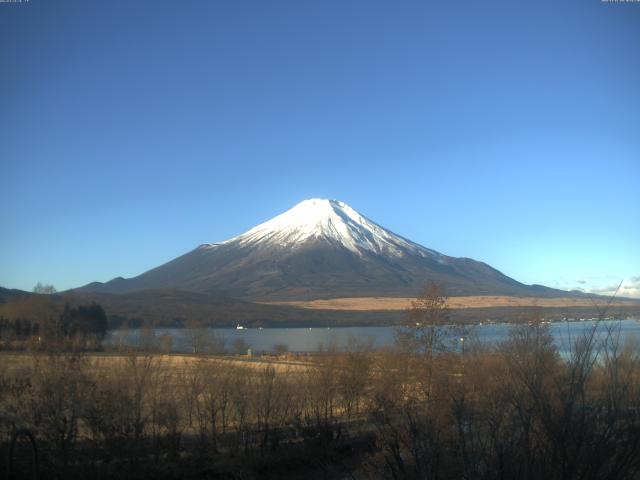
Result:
130,132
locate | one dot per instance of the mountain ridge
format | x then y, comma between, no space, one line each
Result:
320,249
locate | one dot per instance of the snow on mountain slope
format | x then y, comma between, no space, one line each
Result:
319,249
329,220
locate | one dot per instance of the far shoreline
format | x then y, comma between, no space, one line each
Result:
302,325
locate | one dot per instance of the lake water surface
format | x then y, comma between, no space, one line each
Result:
311,339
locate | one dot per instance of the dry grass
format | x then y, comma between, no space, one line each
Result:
174,364
488,301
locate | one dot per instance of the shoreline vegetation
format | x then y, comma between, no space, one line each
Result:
418,409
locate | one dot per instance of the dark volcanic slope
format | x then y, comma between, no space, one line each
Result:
320,249
317,270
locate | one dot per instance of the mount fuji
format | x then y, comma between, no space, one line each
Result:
320,249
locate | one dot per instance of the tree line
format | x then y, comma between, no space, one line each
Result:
46,321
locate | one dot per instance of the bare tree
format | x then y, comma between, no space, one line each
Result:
354,374
58,400
427,315
240,346
44,289
280,348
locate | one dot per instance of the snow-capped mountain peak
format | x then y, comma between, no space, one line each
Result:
329,220
318,249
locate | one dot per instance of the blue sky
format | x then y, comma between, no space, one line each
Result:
509,132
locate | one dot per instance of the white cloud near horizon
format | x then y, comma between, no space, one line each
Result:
605,285
629,288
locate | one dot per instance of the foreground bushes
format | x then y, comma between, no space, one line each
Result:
519,411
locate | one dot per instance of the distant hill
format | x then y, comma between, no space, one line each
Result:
8,293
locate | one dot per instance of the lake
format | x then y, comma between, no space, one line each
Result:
311,339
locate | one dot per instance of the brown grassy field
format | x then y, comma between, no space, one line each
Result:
174,364
359,414
399,303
